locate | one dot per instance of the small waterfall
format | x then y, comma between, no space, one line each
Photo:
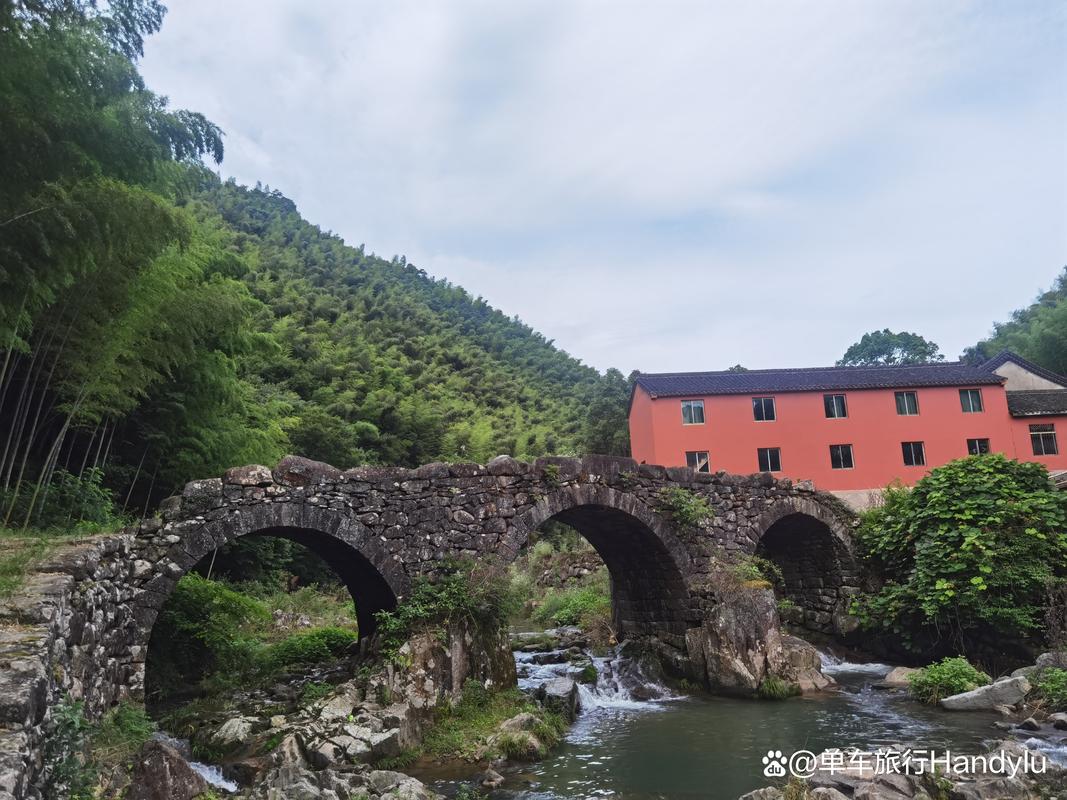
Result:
209,772
1055,751
621,682
833,665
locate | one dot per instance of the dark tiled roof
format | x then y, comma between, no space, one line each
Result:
1004,356
1036,402
816,379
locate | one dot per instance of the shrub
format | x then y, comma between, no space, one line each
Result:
315,690
1051,685
310,647
756,569
685,507
774,688
205,626
121,733
481,595
569,606
945,678
67,772
973,545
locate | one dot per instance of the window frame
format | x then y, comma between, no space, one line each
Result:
827,399
1047,429
909,448
841,450
697,454
978,451
761,404
692,404
774,454
970,394
903,394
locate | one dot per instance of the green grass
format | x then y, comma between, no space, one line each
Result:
20,550
568,606
774,688
121,734
461,731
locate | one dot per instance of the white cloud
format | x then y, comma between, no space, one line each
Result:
662,186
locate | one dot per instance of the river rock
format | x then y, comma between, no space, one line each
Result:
234,732
1057,659
801,664
1058,720
740,643
826,793
766,793
896,678
490,779
523,742
560,695
1029,724
1005,692
162,774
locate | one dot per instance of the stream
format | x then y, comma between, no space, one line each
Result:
676,747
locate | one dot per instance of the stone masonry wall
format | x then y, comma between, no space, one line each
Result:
81,625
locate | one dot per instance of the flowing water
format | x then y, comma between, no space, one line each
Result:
677,748
210,773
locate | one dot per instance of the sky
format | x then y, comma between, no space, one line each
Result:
661,186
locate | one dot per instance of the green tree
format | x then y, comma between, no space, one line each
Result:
606,427
968,551
1037,332
886,347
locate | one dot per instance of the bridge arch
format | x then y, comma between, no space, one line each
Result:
372,576
647,563
813,548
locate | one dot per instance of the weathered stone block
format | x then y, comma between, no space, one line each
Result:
300,471
250,475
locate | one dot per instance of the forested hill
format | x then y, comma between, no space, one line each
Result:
157,325
382,362
1037,332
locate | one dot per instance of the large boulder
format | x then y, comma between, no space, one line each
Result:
161,773
1057,659
560,695
741,643
1005,692
800,664
896,678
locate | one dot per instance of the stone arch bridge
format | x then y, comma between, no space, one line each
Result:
85,619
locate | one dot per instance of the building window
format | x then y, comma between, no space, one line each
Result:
841,456
763,409
1043,438
971,400
698,460
914,454
835,406
907,403
770,459
977,447
692,412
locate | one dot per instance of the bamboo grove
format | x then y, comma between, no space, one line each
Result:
158,324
